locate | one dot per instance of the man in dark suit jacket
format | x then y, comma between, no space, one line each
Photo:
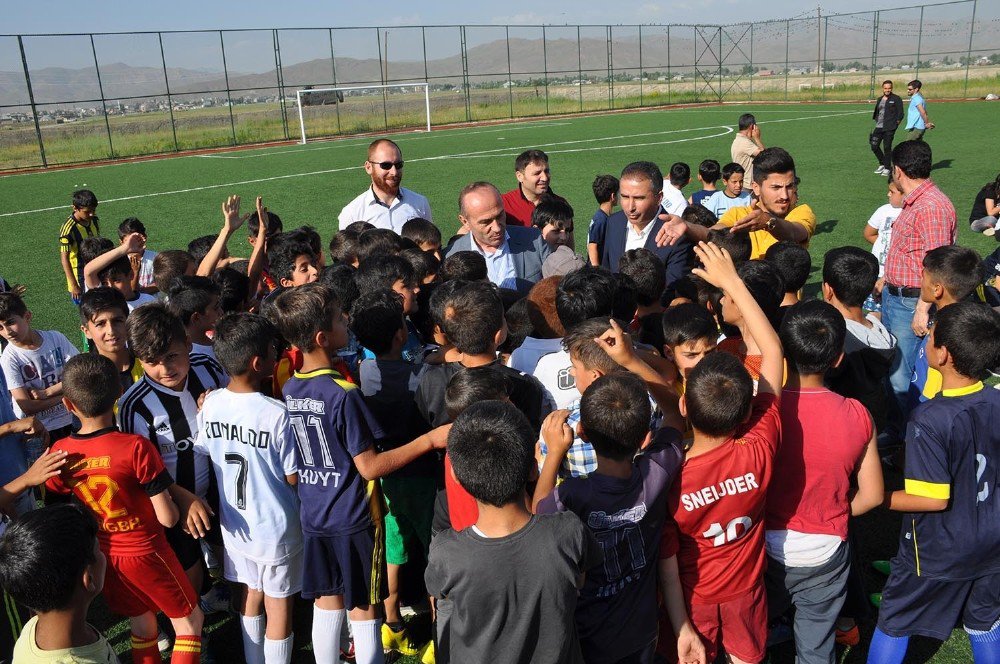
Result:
887,115
514,255
640,191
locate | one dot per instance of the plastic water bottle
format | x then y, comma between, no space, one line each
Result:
34,447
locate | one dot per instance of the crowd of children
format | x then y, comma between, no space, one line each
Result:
612,469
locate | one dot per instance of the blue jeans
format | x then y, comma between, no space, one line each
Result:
897,316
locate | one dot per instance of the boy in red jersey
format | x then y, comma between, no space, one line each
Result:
122,480
718,500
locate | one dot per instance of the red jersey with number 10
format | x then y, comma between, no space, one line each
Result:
718,505
114,474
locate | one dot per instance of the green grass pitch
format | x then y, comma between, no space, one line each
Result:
180,198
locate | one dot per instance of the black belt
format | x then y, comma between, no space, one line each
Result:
902,291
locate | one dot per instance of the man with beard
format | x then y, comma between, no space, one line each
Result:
533,178
514,255
887,115
385,204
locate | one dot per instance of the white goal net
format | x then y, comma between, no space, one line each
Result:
363,108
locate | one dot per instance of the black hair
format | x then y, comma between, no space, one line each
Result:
340,278
152,330
739,245
555,211
490,447
579,343
191,295
91,383
529,157
239,338
792,262
614,414
200,246
915,83
473,316
92,247
471,385
645,170
377,317
765,285
84,198
688,322
709,170
168,265
129,226
274,225
518,325
234,289
651,331
421,231
625,302
851,273
971,333
732,168
440,298
812,334
344,247
11,304
605,186
680,174
310,236
378,242
422,319
647,273
359,227
889,81
914,158
282,258
718,392
772,160
424,263
960,269
699,215
383,271
585,293
464,265
120,268
300,313
102,298
43,554
746,121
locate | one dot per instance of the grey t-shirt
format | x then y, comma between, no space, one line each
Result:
513,598
880,119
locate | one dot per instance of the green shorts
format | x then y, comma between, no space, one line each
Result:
411,509
915,134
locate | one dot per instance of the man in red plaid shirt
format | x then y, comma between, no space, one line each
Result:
926,222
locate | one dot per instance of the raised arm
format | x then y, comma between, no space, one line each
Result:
231,222
256,266
131,243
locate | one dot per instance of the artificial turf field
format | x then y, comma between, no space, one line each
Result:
180,198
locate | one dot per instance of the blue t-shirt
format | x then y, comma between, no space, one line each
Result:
925,382
598,225
13,461
953,453
913,119
700,195
332,425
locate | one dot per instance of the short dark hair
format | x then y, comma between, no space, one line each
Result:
914,158
310,236
851,273
529,157
129,226
688,322
120,268
812,334
746,121
709,170
471,385
274,225
473,316
718,392
731,168
239,338
43,554
11,304
739,245
234,288
344,247
645,170
359,227
772,160
91,383
282,258
605,186
680,174
424,263
100,299
699,215
518,325
585,293
960,269
300,313
420,231
152,330
579,343
464,265
765,285
647,273
490,447
378,242
887,81
971,333
340,278
915,83
793,263
383,271
84,198
441,297
92,247
551,210
191,295
377,317
614,413
200,246
168,265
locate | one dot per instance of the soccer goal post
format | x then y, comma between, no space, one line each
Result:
310,96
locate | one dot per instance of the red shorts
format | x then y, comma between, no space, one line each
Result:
742,621
150,582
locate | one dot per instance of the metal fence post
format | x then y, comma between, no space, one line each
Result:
166,83
721,58
545,67
753,70
467,87
31,101
787,30
579,67
229,95
875,21
642,73
968,54
281,82
100,89
611,67
669,74
920,37
381,73
826,32
510,79
333,64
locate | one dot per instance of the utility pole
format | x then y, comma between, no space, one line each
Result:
385,58
819,37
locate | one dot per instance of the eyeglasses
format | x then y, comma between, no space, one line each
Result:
386,165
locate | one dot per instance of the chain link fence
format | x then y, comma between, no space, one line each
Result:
69,98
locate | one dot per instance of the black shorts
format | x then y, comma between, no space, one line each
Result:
914,605
187,548
349,565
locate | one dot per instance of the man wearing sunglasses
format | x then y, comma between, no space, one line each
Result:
385,204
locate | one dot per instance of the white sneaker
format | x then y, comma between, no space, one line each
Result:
164,642
880,170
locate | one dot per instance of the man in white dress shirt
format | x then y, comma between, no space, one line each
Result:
385,204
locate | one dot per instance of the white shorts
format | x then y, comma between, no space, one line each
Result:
273,579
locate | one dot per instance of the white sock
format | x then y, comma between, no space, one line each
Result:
326,635
253,638
367,642
278,652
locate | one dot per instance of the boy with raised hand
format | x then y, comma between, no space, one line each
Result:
81,224
232,221
341,505
249,439
946,569
718,500
103,312
512,577
767,289
114,268
122,480
142,261
830,469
